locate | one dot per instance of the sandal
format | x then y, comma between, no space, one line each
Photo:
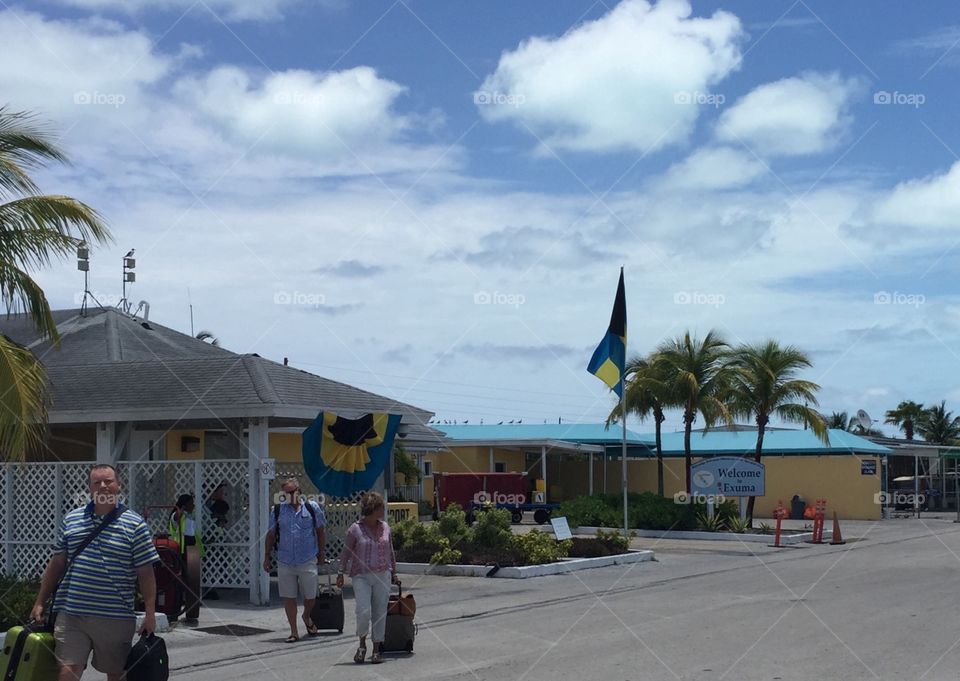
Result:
292,638
312,630
376,657
360,654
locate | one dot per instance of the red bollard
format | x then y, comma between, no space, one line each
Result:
778,514
818,515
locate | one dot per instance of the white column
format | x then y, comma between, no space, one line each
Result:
259,443
543,469
8,519
105,430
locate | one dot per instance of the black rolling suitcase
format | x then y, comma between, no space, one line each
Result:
401,629
327,611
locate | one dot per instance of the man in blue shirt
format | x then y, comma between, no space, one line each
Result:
297,531
94,604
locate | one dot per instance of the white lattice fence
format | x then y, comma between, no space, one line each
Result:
36,496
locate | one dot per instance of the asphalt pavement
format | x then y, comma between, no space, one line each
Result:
880,607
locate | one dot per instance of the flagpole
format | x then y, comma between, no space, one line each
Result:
623,453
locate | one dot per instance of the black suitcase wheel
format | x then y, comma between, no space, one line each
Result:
542,516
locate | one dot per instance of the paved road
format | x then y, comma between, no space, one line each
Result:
881,607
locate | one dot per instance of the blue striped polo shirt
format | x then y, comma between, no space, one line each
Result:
102,579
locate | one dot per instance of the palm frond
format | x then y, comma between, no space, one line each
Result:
22,400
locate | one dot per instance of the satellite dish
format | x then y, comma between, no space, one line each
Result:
863,418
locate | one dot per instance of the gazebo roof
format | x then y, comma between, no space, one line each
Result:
111,366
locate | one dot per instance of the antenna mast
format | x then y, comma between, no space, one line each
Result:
83,264
129,276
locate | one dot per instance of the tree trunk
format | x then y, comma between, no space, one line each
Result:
908,429
761,427
687,458
658,417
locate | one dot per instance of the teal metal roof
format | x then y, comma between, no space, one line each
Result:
585,433
739,443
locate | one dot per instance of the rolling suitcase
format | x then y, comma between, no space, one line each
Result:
148,660
28,654
401,630
327,610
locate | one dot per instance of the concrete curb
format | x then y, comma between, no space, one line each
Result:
564,566
785,539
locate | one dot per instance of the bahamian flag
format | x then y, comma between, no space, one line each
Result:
342,456
610,357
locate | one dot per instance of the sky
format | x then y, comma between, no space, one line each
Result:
432,200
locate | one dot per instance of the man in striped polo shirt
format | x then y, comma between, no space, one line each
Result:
94,604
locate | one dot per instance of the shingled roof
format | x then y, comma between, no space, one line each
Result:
111,366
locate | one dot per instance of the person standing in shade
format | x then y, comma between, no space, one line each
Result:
94,604
297,530
368,552
184,530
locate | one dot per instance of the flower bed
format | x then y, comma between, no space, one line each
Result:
491,541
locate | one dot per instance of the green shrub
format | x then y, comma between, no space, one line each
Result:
538,547
727,510
591,511
492,529
645,510
445,554
423,535
453,523
738,524
401,532
709,523
615,540
19,596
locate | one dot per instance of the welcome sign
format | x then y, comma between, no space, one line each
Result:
728,476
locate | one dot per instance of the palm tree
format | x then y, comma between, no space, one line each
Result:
696,374
838,420
939,426
35,229
906,417
647,395
763,383
208,337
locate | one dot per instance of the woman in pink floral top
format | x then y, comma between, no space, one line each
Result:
373,566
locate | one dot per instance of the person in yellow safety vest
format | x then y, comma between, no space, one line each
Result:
184,530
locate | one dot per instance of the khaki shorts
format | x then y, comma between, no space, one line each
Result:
109,638
293,579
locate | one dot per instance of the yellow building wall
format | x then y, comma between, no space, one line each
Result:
834,478
174,441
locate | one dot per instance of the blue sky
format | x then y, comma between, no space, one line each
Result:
431,199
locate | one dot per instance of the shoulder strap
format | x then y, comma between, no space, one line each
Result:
313,514
276,522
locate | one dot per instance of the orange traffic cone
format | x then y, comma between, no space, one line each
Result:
837,537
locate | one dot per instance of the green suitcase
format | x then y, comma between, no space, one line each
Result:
28,654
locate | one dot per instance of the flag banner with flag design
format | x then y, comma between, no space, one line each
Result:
610,357
342,456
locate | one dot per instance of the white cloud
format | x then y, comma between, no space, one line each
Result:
629,80
714,168
226,9
301,113
806,114
931,202
76,70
